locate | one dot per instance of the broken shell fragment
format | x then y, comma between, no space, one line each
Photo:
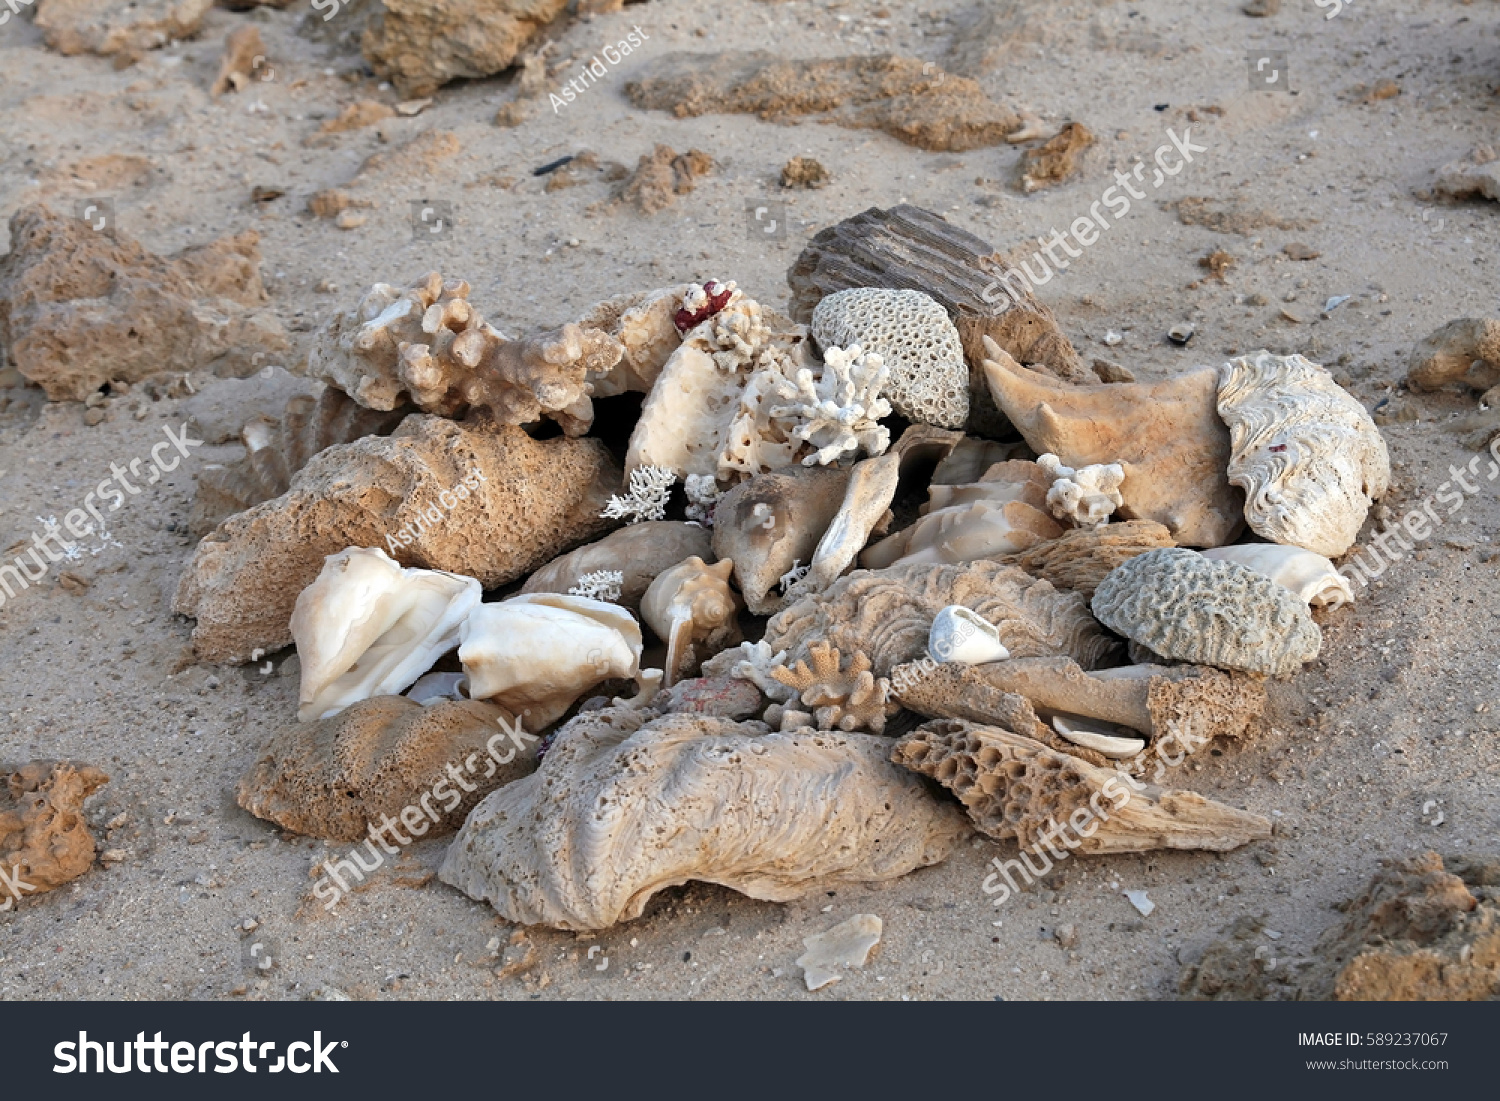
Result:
964,636
1309,575
1190,608
366,627
867,497
692,609
847,944
1105,741
775,816
1306,453
537,654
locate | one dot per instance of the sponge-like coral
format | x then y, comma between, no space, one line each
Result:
911,332
840,411
430,344
380,756
1080,559
1182,605
44,841
627,803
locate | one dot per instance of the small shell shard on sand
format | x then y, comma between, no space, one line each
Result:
847,944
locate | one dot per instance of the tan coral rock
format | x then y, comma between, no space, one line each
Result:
276,451
428,344
1476,175
644,325
626,804
911,332
1304,450
839,697
907,247
887,614
1057,160
773,522
909,99
117,26
1080,559
1017,788
661,177
1167,435
80,307
420,45
530,500
1465,350
244,57
334,778
1190,608
44,840
694,611
640,552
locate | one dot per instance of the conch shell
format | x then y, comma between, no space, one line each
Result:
773,522
1167,435
1309,575
535,655
1306,453
692,609
366,627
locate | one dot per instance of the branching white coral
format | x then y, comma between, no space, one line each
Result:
840,410
600,585
703,495
793,575
1087,496
646,499
751,661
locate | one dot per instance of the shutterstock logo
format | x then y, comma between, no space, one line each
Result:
187,1058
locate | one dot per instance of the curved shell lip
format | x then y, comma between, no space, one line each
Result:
1308,574
962,635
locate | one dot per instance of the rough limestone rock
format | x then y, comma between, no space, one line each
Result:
44,841
627,803
80,307
420,45
1182,605
334,778
117,26
1080,559
536,499
910,331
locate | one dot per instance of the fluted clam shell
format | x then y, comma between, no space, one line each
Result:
1309,575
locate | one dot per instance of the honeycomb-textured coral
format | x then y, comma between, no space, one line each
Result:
1081,558
840,698
910,331
44,841
335,777
887,614
627,803
1191,608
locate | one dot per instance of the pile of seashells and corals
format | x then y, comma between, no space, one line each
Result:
814,561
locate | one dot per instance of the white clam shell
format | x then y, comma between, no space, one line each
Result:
1309,575
1093,735
964,636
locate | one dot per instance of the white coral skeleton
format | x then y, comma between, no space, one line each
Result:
793,575
646,499
600,585
703,495
1087,496
840,410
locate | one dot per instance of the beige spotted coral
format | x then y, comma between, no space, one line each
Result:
911,332
841,698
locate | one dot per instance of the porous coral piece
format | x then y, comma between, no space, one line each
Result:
1086,498
772,522
907,98
911,333
887,614
276,451
1081,558
638,552
839,698
1306,453
646,497
703,495
117,26
81,306
723,697
838,413
1465,350
428,344
1190,608
644,325
907,247
626,804
693,610
1000,514
44,840
1167,435
528,501
1017,788
420,45
379,757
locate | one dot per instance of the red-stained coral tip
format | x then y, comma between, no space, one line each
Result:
716,297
